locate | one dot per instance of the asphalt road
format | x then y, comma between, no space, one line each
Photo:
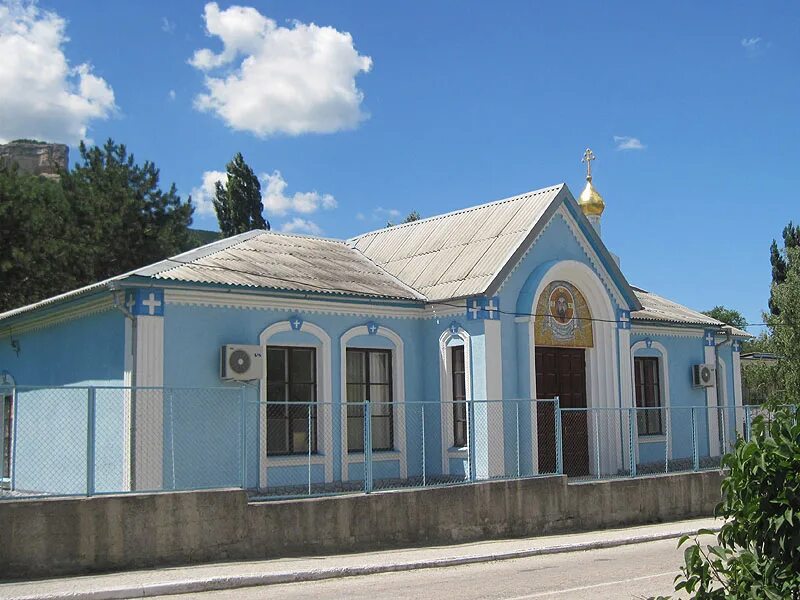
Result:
635,571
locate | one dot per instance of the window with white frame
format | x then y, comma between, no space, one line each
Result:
369,379
291,400
647,380
459,399
8,429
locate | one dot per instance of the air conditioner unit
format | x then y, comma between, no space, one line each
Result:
703,375
241,363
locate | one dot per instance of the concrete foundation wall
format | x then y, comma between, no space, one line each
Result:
79,535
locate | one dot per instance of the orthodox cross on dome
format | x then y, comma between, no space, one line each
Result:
588,157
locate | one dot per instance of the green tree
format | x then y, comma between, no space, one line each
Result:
778,258
757,552
37,239
729,316
410,217
238,204
124,218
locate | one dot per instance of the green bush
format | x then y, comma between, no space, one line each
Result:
757,554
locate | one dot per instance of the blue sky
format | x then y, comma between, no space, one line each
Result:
355,112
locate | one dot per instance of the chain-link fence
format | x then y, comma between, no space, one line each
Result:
101,440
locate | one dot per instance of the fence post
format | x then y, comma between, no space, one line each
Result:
518,453
243,435
721,417
631,439
667,441
15,416
559,441
596,443
308,443
695,449
747,424
424,472
367,448
470,420
170,401
91,409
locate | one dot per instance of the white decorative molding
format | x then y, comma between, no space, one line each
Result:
725,408
602,379
667,330
398,400
588,251
34,322
666,398
324,375
446,392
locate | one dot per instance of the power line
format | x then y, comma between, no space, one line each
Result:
362,293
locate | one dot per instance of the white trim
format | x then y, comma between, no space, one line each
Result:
246,300
148,362
663,368
665,331
33,322
446,393
398,400
724,407
712,403
493,356
737,393
324,455
602,380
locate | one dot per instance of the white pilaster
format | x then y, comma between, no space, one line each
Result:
494,391
148,406
737,391
712,404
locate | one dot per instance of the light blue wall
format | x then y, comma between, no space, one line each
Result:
51,423
684,352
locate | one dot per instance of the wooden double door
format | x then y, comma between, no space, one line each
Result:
562,372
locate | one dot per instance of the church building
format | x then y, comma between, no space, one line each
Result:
440,331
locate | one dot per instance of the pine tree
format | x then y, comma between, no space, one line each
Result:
126,220
238,204
779,259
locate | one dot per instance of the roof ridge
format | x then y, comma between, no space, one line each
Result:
419,294
456,212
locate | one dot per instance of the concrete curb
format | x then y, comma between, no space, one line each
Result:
188,586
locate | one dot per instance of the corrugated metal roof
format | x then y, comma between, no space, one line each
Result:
657,308
459,253
267,259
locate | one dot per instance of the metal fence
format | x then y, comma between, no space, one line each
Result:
105,440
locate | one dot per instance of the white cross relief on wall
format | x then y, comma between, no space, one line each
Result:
475,309
131,303
491,308
296,323
372,328
152,304
710,339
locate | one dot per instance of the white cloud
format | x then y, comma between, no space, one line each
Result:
203,195
750,43
753,46
276,202
625,142
167,26
273,196
269,79
41,95
171,94
298,225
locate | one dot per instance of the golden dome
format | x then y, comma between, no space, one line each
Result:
590,201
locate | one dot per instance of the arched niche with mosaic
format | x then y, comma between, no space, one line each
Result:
563,317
